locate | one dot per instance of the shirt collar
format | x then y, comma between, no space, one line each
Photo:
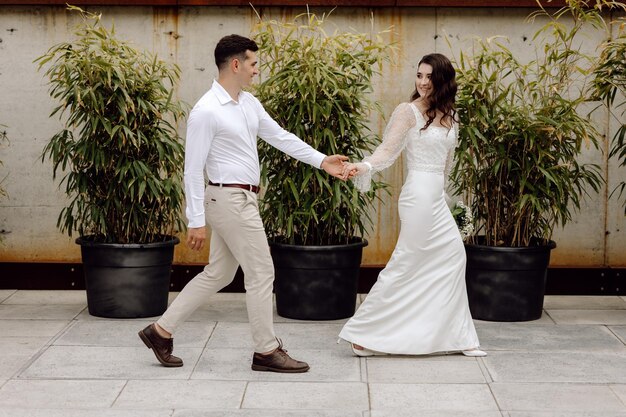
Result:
222,95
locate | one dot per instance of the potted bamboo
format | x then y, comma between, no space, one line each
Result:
518,160
316,85
120,159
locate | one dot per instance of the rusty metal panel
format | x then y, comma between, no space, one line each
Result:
187,36
88,3
292,3
479,3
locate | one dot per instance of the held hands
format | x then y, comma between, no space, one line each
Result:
353,169
334,165
338,167
196,237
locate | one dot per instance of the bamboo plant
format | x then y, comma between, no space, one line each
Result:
523,130
610,82
318,86
119,154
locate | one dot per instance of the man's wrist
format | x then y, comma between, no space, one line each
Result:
195,225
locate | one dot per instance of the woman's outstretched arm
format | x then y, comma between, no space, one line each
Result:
394,141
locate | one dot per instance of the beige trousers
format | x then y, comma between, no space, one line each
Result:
237,238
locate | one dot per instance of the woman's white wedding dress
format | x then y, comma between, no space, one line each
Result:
419,303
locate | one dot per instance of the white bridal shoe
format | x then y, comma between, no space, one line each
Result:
474,353
365,352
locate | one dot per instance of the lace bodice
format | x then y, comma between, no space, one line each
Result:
429,150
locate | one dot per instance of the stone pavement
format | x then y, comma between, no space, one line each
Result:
58,361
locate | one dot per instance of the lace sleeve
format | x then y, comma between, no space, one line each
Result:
450,156
450,162
394,141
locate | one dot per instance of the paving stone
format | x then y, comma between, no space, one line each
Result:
620,331
65,412
565,414
435,413
54,297
234,364
124,333
317,335
74,362
583,302
85,316
172,296
345,396
17,352
609,317
229,335
181,394
222,311
533,337
40,312
445,397
32,328
227,307
22,345
4,294
588,367
421,370
10,364
620,391
294,335
280,319
556,397
264,413
57,394
219,298
363,363
544,319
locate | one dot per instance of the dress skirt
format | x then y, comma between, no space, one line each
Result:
419,303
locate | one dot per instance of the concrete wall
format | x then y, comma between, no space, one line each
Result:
187,36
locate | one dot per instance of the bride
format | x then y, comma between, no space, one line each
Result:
419,302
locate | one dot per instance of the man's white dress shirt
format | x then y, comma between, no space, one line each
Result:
222,138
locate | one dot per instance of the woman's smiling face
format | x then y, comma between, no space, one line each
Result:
423,83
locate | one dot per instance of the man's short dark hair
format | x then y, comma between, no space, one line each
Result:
231,46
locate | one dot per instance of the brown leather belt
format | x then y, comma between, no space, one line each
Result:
253,188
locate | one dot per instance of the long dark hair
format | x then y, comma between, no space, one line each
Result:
444,89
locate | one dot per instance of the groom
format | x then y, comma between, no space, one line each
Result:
221,142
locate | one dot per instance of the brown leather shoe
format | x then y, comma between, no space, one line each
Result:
278,361
161,346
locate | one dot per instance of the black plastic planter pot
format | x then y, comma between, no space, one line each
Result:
505,283
127,280
316,282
